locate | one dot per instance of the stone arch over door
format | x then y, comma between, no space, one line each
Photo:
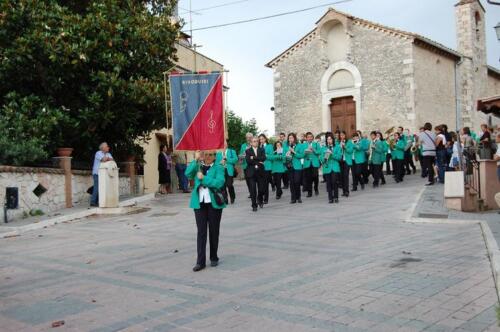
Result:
340,85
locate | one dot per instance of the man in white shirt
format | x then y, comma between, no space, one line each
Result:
101,156
427,140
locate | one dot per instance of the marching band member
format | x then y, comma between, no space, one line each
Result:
244,147
294,152
359,162
284,143
268,148
255,157
386,149
229,161
331,156
377,158
398,155
410,141
311,164
365,146
208,176
347,149
278,167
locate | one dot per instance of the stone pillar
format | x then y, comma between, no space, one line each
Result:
65,165
490,185
130,170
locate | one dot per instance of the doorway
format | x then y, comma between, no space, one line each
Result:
343,115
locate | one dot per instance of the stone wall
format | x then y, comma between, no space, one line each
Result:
434,88
28,178
297,95
493,86
385,63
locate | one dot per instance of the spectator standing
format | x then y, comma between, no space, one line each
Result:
180,160
427,140
164,168
101,156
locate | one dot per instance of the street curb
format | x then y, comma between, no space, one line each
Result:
493,253
442,221
17,231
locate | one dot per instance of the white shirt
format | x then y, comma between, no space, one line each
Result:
498,155
204,193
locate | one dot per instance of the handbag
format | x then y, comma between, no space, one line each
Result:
220,197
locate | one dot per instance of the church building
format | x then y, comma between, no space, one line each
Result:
352,74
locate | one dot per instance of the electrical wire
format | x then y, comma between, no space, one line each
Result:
270,16
212,7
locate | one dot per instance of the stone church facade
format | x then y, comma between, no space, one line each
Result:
350,73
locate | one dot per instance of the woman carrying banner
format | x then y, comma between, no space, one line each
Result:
208,177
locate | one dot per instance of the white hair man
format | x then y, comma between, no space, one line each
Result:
101,156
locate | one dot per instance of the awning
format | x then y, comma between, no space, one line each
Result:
489,105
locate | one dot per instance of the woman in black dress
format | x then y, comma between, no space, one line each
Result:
164,167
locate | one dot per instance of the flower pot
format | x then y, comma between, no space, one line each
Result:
64,152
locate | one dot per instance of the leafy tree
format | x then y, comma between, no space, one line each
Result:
92,71
237,129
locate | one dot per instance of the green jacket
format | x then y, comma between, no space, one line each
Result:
378,155
360,151
386,149
295,158
243,150
399,150
214,179
312,158
268,164
278,163
332,162
348,152
231,161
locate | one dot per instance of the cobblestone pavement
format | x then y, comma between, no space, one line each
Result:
355,266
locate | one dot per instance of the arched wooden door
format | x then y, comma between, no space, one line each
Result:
343,113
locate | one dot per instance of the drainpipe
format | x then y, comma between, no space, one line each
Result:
457,97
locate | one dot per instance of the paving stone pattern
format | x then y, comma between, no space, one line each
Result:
355,266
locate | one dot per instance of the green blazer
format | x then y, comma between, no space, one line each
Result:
332,162
295,159
214,179
312,158
243,150
399,150
231,161
378,155
348,152
386,149
277,163
360,152
268,164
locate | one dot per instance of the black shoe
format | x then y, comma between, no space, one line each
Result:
375,185
261,205
414,170
335,200
366,181
232,200
214,263
330,201
383,182
254,209
293,202
354,189
278,197
266,202
346,194
299,201
273,189
285,187
94,205
430,184
316,192
362,186
309,195
408,173
249,196
198,267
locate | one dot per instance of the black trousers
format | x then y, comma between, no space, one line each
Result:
311,177
366,172
247,180
409,161
343,176
295,178
357,175
377,173
268,180
332,185
207,218
285,180
399,169
258,185
278,177
388,159
428,163
229,187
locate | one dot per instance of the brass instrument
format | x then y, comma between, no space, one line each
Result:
389,132
414,147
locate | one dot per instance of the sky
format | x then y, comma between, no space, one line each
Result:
245,49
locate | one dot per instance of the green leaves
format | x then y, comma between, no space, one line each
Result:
102,60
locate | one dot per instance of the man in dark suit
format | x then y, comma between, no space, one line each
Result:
255,173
